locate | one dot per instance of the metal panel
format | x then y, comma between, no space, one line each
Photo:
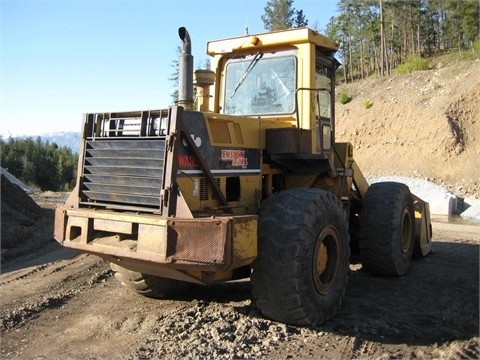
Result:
121,227
124,180
125,153
110,171
205,241
135,189
120,198
123,162
123,172
289,141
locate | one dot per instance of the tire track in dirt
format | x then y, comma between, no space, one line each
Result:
14,318
65,279
361,348
24,273
471,351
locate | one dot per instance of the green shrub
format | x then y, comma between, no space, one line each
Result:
367,103
476,49
413,63
343,97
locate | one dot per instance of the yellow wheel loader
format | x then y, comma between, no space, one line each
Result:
244,181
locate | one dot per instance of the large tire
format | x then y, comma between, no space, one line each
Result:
387,229
148,285
301,271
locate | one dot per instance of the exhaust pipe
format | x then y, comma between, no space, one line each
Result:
185,71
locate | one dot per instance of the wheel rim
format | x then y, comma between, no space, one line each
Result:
406,231
327,259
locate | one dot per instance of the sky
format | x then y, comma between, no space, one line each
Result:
62,58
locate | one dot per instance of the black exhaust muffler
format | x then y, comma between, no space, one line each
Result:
185,71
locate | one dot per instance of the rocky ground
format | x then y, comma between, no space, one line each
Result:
56,304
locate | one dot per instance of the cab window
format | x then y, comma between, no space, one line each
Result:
260,84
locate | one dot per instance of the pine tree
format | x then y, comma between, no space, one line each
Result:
175,76
410,27
281,15
300,19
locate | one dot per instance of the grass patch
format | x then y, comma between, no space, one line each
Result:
455,55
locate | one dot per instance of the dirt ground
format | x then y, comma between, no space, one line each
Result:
57,304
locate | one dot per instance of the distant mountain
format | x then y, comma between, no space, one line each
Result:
68,139
64,138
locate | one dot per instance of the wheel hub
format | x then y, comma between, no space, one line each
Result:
326,259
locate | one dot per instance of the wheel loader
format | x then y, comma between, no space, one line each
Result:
241,179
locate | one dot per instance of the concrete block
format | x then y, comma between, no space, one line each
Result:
472,209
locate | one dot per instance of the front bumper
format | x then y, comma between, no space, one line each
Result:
145,241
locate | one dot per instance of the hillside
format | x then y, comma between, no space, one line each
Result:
425,125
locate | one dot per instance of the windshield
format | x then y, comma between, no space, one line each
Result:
260,85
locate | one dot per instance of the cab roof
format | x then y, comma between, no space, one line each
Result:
270,39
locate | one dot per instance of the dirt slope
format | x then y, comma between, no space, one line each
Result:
19,215
425,124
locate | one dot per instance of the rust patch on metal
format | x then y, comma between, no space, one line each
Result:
201,241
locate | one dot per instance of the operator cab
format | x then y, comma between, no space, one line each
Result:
285,78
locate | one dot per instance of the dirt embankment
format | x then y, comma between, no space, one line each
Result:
19,217
425,124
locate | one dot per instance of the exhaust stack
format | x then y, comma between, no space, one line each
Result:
185,71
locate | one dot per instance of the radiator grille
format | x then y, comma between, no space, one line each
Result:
123,173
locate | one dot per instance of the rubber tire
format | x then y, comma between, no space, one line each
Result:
387,229
283,279
148,285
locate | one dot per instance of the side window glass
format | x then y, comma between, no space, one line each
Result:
323,107
322,80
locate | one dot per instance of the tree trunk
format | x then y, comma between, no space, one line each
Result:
362,72
344,62
350,57
382,41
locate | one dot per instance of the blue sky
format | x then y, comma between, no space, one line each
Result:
62,58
